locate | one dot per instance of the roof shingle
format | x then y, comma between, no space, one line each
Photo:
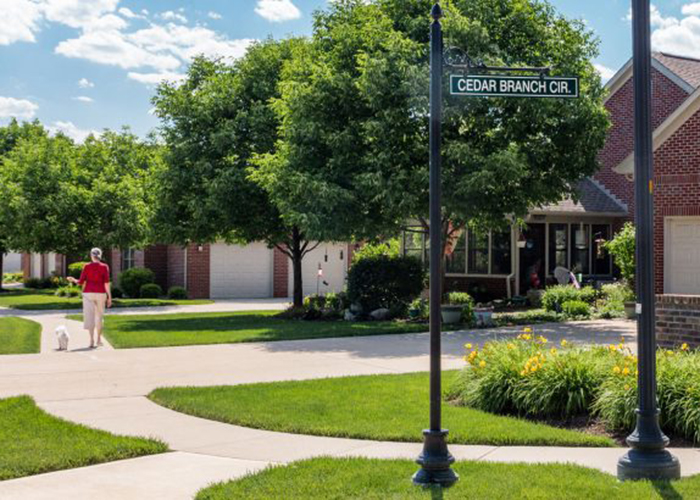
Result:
686,68
593,199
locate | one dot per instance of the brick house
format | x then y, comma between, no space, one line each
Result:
219,270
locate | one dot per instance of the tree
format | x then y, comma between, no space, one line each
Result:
623,249
354,112
9,136
214,124
66,198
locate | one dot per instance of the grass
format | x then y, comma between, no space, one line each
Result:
34,442
368,479
378,407
19,336
40,300
161,330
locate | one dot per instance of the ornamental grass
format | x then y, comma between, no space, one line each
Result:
528,376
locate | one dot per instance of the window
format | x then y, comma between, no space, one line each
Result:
414,242
500,252
580,248
558,246
128,259
478,262
601,258
457,261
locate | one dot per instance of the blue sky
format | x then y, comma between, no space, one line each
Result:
86,65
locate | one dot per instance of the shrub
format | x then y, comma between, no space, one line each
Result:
576,309
34,283
151,291
68,291
337,301
622,248
420,306
614,297
12,277
117,293
131,280
465,300
76,268
177,293
315,301
555,296
61,292
381,281
390,248
528,317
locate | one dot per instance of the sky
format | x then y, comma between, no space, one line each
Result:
81,66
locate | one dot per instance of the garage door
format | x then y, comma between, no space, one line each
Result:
332,260
683,256
241,271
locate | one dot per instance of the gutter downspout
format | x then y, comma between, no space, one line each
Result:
513,245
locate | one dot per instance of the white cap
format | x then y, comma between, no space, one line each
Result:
96,252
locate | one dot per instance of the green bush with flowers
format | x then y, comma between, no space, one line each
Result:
528,376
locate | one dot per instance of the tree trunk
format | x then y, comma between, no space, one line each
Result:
2,259
297,258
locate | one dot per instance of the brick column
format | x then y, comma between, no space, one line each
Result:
678,320
198,271
26,265
280,269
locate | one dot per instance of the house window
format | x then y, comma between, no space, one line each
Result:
558,246
456,262
128,259
601,258
414,242
500,252
478,262
580,248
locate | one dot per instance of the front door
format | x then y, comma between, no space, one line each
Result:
532,258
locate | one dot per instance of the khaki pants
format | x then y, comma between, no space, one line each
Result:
93,309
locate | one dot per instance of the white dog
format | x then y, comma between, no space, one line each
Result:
63,337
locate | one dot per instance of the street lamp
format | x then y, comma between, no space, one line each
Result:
648,458
435,460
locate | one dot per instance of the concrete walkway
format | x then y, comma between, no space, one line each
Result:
106,389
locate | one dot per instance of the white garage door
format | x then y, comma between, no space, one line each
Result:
332,260
241,272
683,256
36,265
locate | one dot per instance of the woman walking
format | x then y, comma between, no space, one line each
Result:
97,294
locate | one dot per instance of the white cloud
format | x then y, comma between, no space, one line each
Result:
84,83
277,11
71,130
214,15
128,13
84,98
169,15
19,21
680,37
21,109
605,72
156,78
77,13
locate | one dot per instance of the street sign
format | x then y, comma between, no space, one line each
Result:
513,86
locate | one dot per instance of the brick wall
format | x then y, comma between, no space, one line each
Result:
198,271
155,258
677,190
667,96
26,266
115,263
280,272
176,266
677,320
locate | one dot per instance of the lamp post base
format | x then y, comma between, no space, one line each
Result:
645,464
435,461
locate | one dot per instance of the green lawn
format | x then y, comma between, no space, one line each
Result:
36,300
358,478
379,407
161,330
19,336
33,442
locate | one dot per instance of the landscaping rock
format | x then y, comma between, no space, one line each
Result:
380,314
349,316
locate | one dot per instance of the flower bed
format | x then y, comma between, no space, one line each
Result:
528,376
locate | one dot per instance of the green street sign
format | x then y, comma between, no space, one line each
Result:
513,86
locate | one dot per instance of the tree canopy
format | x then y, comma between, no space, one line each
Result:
354,113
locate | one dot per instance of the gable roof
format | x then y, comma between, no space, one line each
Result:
593,199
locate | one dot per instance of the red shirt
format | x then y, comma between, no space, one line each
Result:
95,275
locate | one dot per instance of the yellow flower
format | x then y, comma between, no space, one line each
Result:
465,358
523,373
468,346
626,371
617,369
670,353
621,346
612,347
482,364
627,387
542,339
684,347
553,350
564,343
511,346
527,329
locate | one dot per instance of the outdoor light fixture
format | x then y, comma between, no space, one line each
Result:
648,458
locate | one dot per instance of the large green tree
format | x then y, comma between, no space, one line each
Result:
66,198
354,112
214,123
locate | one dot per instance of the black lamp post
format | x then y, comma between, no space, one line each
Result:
648,458
435,460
